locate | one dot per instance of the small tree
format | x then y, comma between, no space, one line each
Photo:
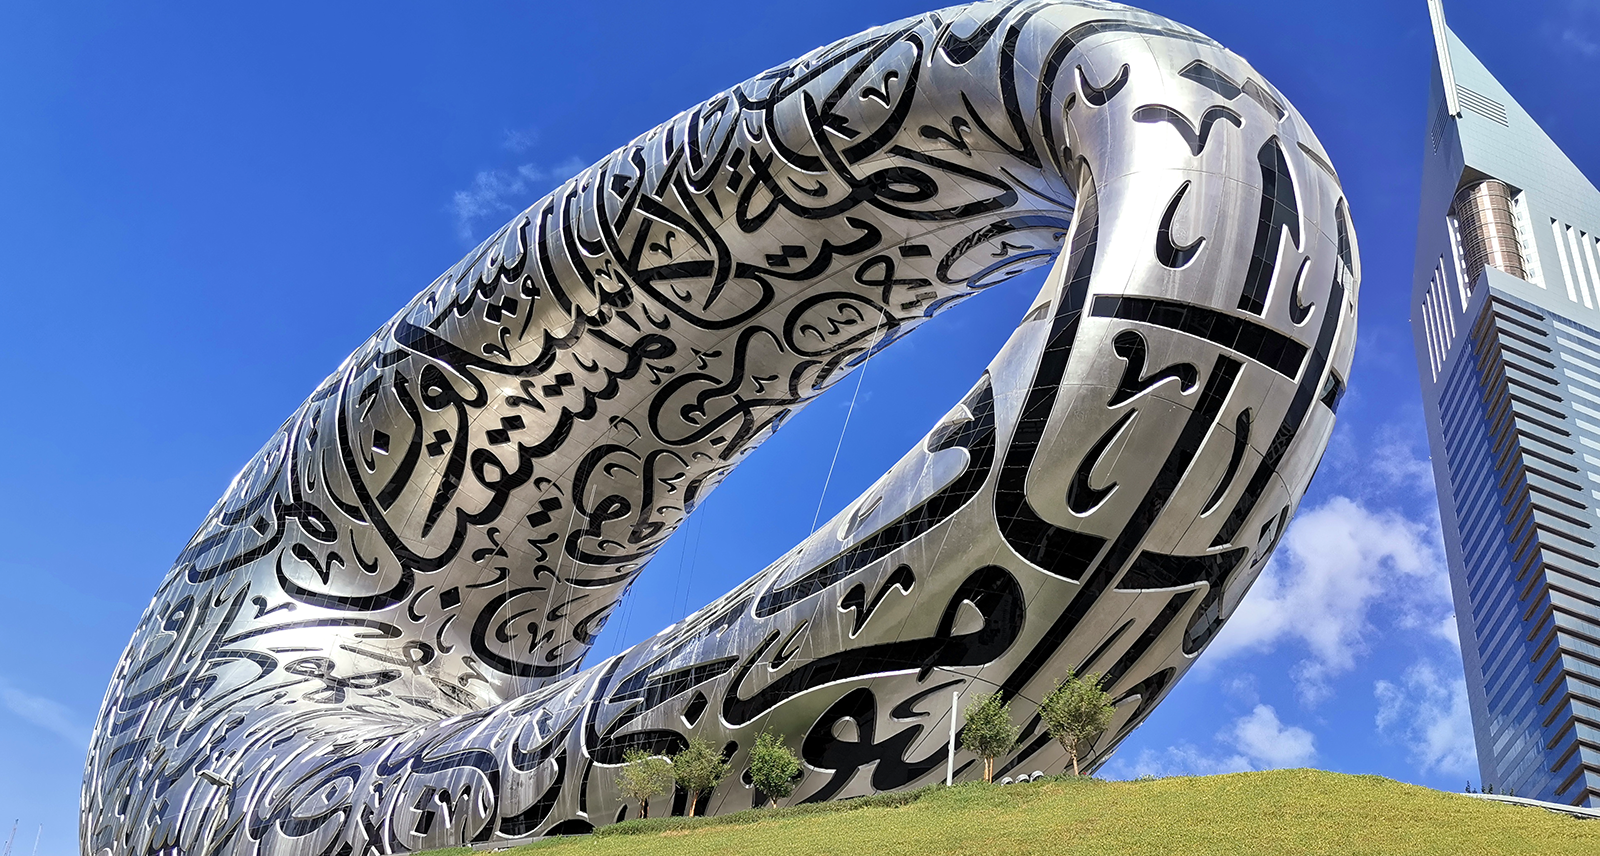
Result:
699,768
773,767
643,776
988,732
1075,711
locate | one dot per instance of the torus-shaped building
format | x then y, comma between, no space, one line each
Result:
375,642
1506,321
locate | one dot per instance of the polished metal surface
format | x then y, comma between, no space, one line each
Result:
1488,229
375,640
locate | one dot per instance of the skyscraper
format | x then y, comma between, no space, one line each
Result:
1506,319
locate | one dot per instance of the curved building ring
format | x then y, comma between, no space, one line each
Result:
376,638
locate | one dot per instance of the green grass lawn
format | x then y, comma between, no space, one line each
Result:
1278,812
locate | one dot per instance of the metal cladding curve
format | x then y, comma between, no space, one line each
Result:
374,642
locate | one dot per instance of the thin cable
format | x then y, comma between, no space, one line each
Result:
683,553
860,378
625,607
688,585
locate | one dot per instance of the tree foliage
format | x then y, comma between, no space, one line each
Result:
699,768
773,766
988,732
1076,712
642,777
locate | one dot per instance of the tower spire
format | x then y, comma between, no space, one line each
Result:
1441,43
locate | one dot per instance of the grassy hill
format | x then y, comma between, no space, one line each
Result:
1278,812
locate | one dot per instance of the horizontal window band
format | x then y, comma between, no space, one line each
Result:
1241,335
1506,304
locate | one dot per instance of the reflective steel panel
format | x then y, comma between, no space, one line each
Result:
376,639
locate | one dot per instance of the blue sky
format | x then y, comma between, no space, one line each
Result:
204,208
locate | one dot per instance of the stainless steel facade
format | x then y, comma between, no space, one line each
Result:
1506,318
376,639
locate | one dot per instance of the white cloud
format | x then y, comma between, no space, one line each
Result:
520,141
1337,562
1313,681
1427,713
1243,688
45,713
1268,743
1256,741
1575,27
1394,464
1387,462
498,193
1580,41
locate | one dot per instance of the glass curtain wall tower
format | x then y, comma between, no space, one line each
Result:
1505,315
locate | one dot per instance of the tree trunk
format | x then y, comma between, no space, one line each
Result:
694,802
1074,754
988,769
644,808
